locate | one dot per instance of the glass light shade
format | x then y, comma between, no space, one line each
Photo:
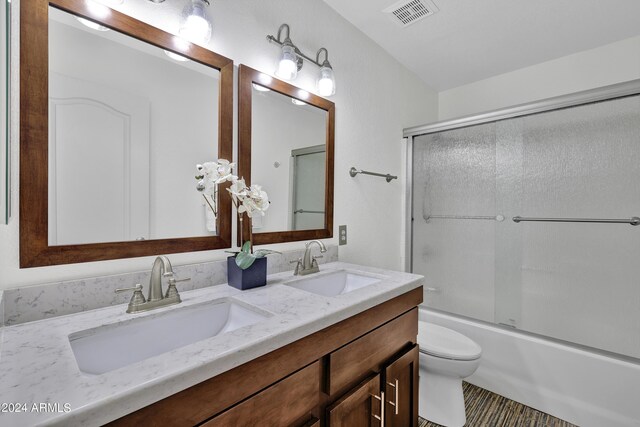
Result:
288,64
326,84
195,25
297,102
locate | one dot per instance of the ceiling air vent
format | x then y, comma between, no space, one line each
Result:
405,13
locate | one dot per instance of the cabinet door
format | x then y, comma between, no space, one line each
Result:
359,407
352,363
289,402
401,390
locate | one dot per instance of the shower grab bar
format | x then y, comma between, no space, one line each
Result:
498,218
632,221
305,211
353,172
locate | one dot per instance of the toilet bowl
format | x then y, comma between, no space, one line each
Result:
446,357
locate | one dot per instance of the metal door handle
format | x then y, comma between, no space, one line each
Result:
395,404
381,416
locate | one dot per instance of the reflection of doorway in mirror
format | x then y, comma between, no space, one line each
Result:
98,163
307,188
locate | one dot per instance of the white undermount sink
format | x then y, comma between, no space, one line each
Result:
334,283
110,347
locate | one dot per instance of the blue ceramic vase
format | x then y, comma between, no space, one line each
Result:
253,277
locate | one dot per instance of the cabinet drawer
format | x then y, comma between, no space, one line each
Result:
286,403
350,364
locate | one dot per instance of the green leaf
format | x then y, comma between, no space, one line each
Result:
246,248
260,253
245,260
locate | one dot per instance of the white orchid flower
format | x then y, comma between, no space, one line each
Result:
238,190
223,171
209,168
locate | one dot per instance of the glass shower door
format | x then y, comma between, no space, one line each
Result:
578,282
454,219
573,281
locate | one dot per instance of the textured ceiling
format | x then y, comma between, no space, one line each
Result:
470,40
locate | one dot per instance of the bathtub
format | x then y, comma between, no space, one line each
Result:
571,383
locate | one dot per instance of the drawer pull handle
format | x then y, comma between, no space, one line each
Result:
395,404
381,416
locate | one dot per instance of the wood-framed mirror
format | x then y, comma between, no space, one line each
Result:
107,167
286,144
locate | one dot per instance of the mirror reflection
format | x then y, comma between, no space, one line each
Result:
288,158
122,145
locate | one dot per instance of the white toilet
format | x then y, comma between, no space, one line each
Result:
446,357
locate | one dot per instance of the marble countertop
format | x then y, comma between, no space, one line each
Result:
37,365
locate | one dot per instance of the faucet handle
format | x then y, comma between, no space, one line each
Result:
298,263
136,288
136,299
172,291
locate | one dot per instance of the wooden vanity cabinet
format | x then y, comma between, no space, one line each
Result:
357,408
289,402
400,383
391,394
327,379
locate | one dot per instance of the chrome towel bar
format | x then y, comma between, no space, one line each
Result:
498,218
632,221
353,172
305,211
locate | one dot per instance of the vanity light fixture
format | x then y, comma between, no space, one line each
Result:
297,102
195,25
326,84
292,59
98,9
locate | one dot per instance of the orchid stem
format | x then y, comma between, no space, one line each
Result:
212,208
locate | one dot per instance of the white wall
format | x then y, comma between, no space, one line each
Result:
613,63
376,98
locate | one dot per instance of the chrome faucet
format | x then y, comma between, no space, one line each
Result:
308,264
161,268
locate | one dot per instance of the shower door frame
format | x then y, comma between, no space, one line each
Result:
605,93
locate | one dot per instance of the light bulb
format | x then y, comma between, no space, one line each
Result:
111,2
196,26
288,64
326,84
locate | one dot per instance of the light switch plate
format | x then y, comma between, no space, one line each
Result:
342,231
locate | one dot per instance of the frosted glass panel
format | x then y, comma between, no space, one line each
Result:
581,282
578,282
455,176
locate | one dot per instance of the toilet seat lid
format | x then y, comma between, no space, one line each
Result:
443,342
